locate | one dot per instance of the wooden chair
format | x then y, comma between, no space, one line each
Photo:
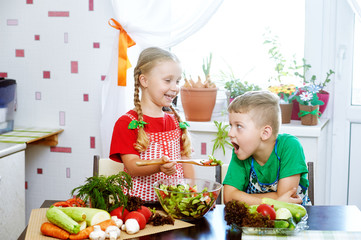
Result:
106,166
311,186
221,172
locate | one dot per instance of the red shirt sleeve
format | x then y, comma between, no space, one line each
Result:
122,139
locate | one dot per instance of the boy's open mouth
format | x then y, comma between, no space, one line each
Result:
235,145
171,97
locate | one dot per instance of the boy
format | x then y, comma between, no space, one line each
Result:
264,163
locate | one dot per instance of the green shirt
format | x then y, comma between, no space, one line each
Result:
292,162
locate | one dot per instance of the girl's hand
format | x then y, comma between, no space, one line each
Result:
169,167
291,197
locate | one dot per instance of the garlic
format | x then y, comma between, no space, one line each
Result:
97,234
112,232
131,226
118,221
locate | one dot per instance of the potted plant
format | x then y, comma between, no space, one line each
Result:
235,86
322,94
287,94
309,104
199,98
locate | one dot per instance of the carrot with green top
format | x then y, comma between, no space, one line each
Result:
51,230
84,234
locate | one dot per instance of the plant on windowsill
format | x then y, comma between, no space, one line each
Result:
199,98
235,86
286,94
322,94
309,104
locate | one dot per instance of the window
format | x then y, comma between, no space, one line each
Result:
234,35
356,80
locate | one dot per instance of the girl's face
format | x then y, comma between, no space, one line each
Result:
161,84
244,135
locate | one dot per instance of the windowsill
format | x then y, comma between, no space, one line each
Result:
294,128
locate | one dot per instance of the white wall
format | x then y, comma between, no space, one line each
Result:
50,44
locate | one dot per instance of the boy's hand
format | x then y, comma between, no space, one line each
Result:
291,197
169,167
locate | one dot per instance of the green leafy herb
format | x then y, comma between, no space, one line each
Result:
221,138
106,193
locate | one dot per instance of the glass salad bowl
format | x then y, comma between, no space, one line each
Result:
187,198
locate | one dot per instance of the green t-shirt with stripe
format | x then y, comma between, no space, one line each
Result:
290,151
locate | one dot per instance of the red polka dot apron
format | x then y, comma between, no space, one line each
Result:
160,144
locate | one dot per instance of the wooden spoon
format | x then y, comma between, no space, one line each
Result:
199,162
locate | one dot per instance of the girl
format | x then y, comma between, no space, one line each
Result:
146,132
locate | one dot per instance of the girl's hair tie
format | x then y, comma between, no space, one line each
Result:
183,125
135,124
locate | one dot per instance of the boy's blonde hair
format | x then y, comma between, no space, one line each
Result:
263,107
147,60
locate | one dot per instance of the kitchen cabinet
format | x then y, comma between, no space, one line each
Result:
12,190
312,138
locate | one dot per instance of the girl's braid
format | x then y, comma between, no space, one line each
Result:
142,140
186,142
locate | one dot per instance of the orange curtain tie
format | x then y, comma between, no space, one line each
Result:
125,42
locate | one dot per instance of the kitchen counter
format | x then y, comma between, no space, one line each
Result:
13,145
10,148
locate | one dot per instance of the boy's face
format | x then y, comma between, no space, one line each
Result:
244,134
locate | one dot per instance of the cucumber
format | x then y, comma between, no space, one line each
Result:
292,223
281,224
60,219
93,215
298,211
74,213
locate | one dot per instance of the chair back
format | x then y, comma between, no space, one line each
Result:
106,166
311,186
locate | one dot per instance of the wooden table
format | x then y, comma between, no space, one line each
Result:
213,225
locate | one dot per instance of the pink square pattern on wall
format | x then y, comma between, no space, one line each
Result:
46,50
20,53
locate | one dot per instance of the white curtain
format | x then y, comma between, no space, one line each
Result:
162,23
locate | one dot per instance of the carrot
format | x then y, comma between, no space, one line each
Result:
51,230
84,234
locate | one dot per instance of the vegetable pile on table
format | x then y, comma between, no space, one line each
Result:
101,208
270,214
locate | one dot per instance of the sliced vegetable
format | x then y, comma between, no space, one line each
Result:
298,211
93,215
283,213
267,210
60,219
51,230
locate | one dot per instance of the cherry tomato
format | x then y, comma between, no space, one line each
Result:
267,210
145,211
137,216
119,213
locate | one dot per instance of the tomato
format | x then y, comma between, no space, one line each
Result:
267,210
137,216
119,213
162,194
145,211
